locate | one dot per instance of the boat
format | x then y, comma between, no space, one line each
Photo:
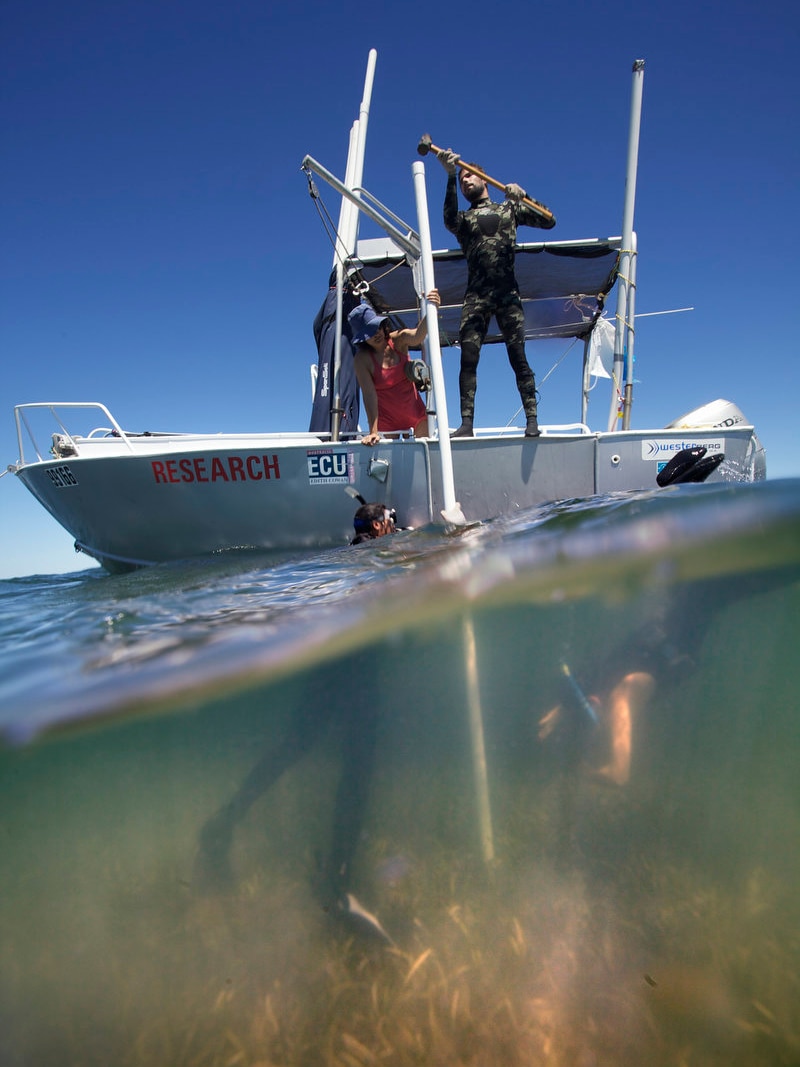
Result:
131,499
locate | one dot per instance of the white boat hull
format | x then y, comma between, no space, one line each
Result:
145,500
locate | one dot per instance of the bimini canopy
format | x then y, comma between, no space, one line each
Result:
563,285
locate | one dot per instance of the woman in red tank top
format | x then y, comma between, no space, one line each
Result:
384,373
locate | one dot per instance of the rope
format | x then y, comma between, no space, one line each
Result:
555,366
386,273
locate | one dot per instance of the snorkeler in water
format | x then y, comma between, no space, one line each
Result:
371,521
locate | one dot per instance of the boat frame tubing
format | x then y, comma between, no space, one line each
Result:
477,741
348,228
452,510
626,254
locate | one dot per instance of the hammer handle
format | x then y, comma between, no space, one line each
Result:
542,210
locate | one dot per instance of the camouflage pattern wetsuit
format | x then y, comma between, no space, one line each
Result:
487,233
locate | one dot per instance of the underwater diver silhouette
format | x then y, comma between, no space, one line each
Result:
662,653
356,719
321,708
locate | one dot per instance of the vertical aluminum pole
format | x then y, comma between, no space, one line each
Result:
351,229
452,509
341,253
348,228
628,402
626,256
585,381
342,249
479,767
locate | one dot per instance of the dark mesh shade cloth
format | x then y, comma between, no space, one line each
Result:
563,287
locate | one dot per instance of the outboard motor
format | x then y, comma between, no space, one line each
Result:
718,415
722,415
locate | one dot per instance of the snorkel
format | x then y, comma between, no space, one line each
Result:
578,693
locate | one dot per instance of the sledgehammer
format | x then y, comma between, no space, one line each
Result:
426,145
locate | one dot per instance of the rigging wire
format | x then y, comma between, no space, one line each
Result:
555,366
328,224
331,231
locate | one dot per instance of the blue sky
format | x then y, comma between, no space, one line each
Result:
160,252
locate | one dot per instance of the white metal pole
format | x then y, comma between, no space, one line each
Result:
585,380
627,238
348,228
479,767
351,233
452,509
629,349
341,249
340,253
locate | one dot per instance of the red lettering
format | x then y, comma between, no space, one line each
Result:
237,469
217,470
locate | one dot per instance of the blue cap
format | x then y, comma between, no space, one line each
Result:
364,323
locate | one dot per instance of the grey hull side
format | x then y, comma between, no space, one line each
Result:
127,509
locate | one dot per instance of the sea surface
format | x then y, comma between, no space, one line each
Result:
558,753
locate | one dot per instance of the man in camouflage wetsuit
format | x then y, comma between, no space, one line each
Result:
487,233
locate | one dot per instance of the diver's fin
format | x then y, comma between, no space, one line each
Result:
689,465
361,920
679,465
700,470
